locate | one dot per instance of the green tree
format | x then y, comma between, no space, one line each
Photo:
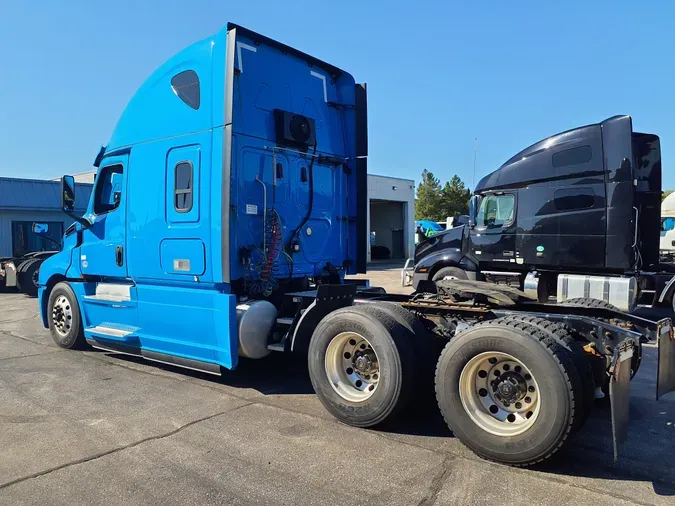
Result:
454,198
665,193
428,198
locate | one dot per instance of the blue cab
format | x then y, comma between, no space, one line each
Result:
235,175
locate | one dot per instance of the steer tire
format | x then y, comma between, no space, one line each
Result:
552,370
391,343
73,337
453,272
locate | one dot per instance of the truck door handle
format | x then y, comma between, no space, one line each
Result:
119,255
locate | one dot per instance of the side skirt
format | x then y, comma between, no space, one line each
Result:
186,363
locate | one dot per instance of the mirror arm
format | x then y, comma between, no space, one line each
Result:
81,220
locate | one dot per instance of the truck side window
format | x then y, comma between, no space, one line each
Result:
667,224
574,156
183,187
495,211
574,198
186,87
108,191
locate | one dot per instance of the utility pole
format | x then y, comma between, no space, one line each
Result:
475,149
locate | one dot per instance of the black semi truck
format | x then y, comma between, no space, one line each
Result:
574,215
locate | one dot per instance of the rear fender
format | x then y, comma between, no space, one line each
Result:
329,298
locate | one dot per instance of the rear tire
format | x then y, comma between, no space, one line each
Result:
29,278
63,317
449,273
342,384
424,350
582,376
588,302
538,365
20,269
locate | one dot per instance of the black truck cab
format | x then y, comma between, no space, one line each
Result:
582,204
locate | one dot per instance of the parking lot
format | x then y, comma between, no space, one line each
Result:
99,428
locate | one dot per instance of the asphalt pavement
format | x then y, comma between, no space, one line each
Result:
98,428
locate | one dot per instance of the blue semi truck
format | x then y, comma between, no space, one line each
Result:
228,207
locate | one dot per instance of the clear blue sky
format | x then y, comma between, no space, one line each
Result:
439,72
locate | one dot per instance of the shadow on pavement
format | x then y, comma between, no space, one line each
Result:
647,456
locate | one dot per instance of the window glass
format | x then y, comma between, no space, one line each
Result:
495,210
183,188
667,224
574,198
108,191
574,156
186,86
24,240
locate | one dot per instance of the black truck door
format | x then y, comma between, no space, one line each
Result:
493,239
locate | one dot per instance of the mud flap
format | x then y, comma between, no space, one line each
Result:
666,369
619,394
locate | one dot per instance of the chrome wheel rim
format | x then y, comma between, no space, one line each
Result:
35,278
446,278
62,315
352,367
499,393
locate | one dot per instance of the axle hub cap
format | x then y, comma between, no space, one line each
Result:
352,367
499,393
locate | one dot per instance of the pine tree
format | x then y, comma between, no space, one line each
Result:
428,198
454,198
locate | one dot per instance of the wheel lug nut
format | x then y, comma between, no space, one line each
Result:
482,392
518,405
497,372
507,367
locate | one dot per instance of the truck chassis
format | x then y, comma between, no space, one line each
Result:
478,338
513,377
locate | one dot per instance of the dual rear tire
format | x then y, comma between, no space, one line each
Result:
511,389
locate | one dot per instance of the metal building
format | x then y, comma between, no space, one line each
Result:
391,217
26,201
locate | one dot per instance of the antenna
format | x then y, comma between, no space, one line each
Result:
475,149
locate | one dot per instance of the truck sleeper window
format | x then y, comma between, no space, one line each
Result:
108,192
495,211
183,187
186,87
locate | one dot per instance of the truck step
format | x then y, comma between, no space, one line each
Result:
103,330
276,347
285,321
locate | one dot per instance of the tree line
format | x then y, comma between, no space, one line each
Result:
437,202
